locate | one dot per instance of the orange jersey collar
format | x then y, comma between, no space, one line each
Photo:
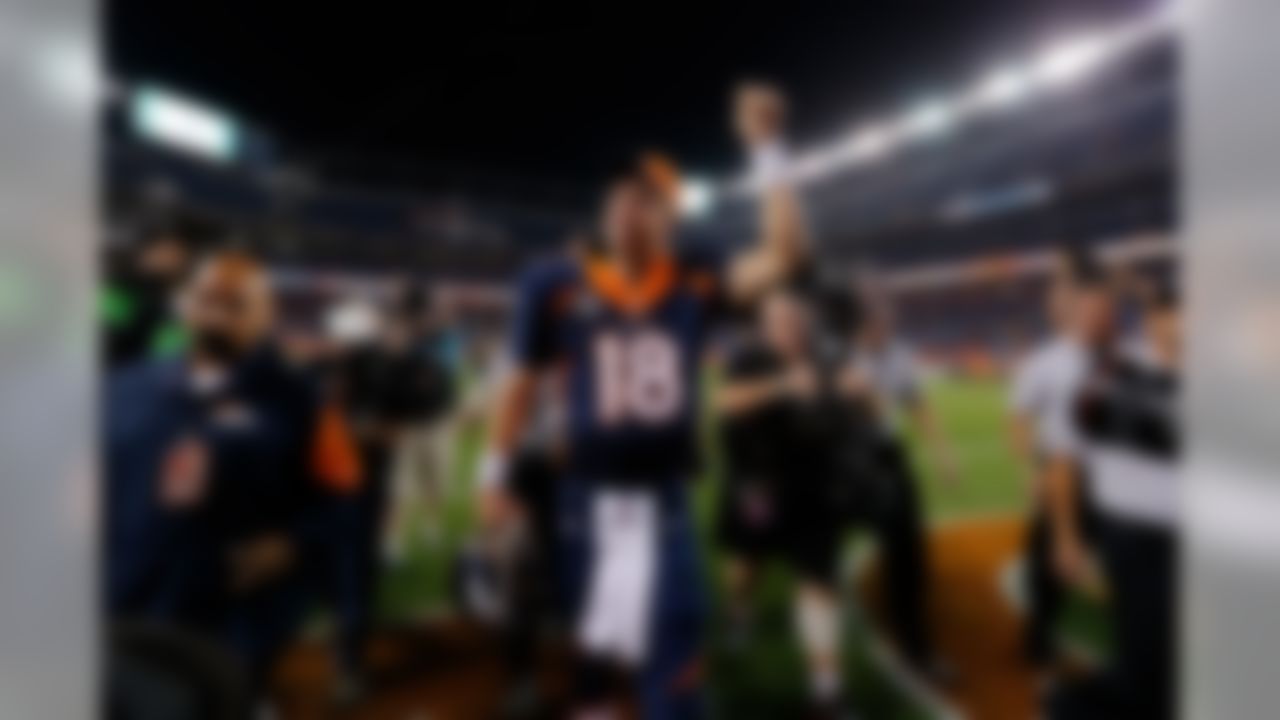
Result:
633,295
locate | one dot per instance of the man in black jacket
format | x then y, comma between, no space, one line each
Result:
223,475
1125,424
788,490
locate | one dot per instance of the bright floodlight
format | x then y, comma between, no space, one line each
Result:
870,143
696,197
184,124
929,120
1003,88
352,321
1070,61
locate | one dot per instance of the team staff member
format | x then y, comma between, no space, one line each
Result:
1093,331
885,367
1044,386
222,469
786,493
137,299
1126,425
748,526
384,384
425,361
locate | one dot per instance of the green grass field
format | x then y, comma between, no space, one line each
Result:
768,680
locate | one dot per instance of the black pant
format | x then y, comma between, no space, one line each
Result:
1044,588
1141,565
159,671
533,479
358,563
891,510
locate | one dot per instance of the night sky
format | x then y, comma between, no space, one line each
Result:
501,95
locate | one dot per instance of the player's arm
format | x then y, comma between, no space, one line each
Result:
783,245
1062,448
1069,555
1021,434
1024,398
532,348
512,409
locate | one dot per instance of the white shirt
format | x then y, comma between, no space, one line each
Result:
1045,387
1135,487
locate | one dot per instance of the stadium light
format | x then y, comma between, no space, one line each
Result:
1003,88
697,196
184,124
352,321
929,120
1070,61
1060,66
870,143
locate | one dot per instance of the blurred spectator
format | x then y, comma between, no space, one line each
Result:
1124,425
386,385
885,368
423,354
224,472
137,300
1043,387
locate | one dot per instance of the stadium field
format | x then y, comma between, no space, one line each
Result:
975,537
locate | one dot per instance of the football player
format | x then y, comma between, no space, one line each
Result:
626,325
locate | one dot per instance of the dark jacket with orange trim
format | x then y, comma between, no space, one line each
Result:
276,462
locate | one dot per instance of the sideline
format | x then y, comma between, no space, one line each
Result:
882,654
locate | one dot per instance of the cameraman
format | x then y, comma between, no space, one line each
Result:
1124,423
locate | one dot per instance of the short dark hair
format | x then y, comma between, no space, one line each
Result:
629,179
1083,267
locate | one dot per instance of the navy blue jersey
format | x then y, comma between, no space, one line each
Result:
630,351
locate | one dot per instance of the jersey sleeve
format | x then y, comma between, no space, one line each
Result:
533,337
